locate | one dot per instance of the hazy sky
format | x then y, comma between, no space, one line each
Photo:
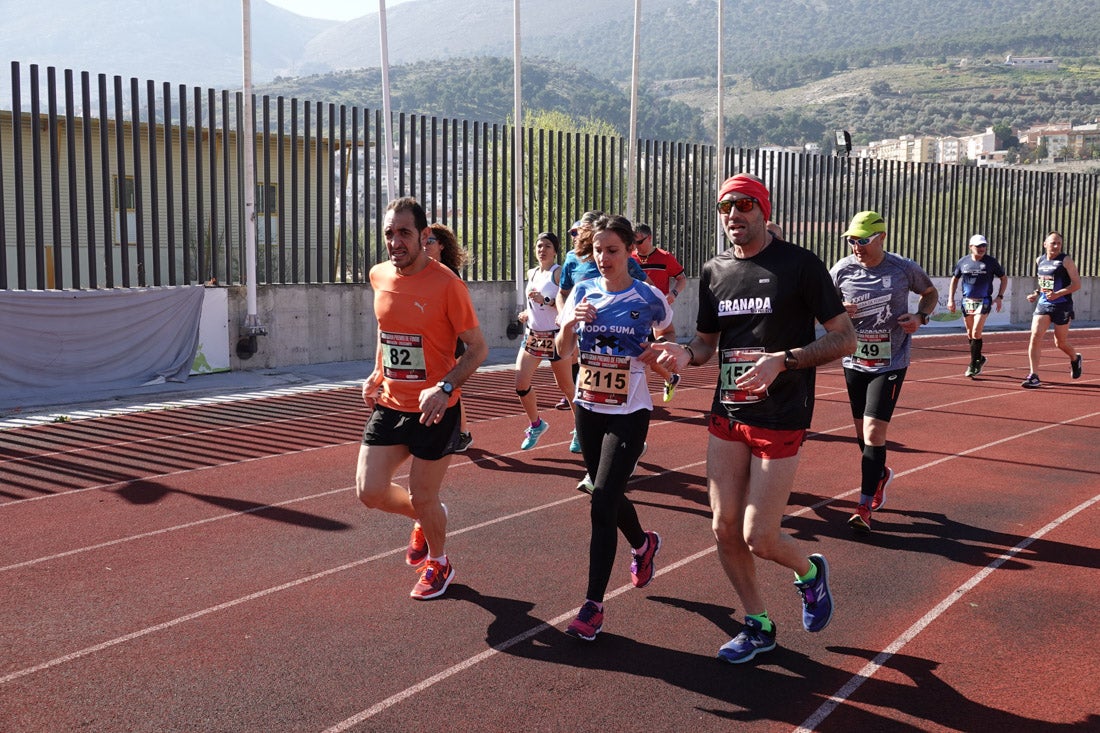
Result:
333,9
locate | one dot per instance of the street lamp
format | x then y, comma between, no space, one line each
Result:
843,143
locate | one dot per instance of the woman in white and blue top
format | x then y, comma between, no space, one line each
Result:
609,319
540,318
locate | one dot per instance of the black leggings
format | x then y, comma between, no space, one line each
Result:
611,445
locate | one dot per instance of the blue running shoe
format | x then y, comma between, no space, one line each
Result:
817,601
533,434
575,444
751,641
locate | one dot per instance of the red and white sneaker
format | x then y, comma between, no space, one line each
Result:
642,568
880,490
588,622
434,579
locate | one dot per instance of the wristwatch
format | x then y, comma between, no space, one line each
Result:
447,387
923,317
790,362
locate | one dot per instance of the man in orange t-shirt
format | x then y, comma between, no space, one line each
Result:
421,308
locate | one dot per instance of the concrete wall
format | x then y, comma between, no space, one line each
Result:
314,324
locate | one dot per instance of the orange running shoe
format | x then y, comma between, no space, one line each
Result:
434,579
861,520
417,551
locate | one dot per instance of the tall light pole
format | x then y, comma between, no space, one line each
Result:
632,162
517,158
252,326
387,117
720,146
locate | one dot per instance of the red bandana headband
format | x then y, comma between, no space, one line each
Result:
750,187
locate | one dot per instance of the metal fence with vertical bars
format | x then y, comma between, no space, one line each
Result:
106,184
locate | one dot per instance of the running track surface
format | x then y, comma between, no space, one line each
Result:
208,568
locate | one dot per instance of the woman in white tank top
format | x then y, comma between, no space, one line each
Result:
540,318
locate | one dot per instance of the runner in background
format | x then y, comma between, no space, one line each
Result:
413,392
608,320
1058,280
442,246
540,318
875,286
976,271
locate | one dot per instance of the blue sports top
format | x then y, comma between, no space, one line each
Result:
611,379
1053,276
977,276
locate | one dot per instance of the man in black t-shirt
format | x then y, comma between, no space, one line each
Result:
758,302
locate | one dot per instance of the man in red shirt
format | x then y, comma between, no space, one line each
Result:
660,265
667,274
421,308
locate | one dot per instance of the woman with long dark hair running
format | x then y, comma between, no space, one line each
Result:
609,319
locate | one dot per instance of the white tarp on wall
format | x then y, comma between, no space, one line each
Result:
212,353
945,319
64,340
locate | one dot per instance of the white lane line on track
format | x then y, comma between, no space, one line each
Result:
861,677
243,512
848,689
260,594
91,414
99,447
379,707
451,671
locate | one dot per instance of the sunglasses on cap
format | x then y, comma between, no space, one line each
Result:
862,241
743,205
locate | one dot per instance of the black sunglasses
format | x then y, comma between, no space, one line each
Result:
743,205
574,232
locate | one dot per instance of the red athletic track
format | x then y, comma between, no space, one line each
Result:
209,569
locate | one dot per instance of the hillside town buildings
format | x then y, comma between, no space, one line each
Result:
1061,140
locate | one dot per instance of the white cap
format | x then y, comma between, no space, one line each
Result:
977,240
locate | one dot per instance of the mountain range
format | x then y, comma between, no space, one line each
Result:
199,42
769,47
